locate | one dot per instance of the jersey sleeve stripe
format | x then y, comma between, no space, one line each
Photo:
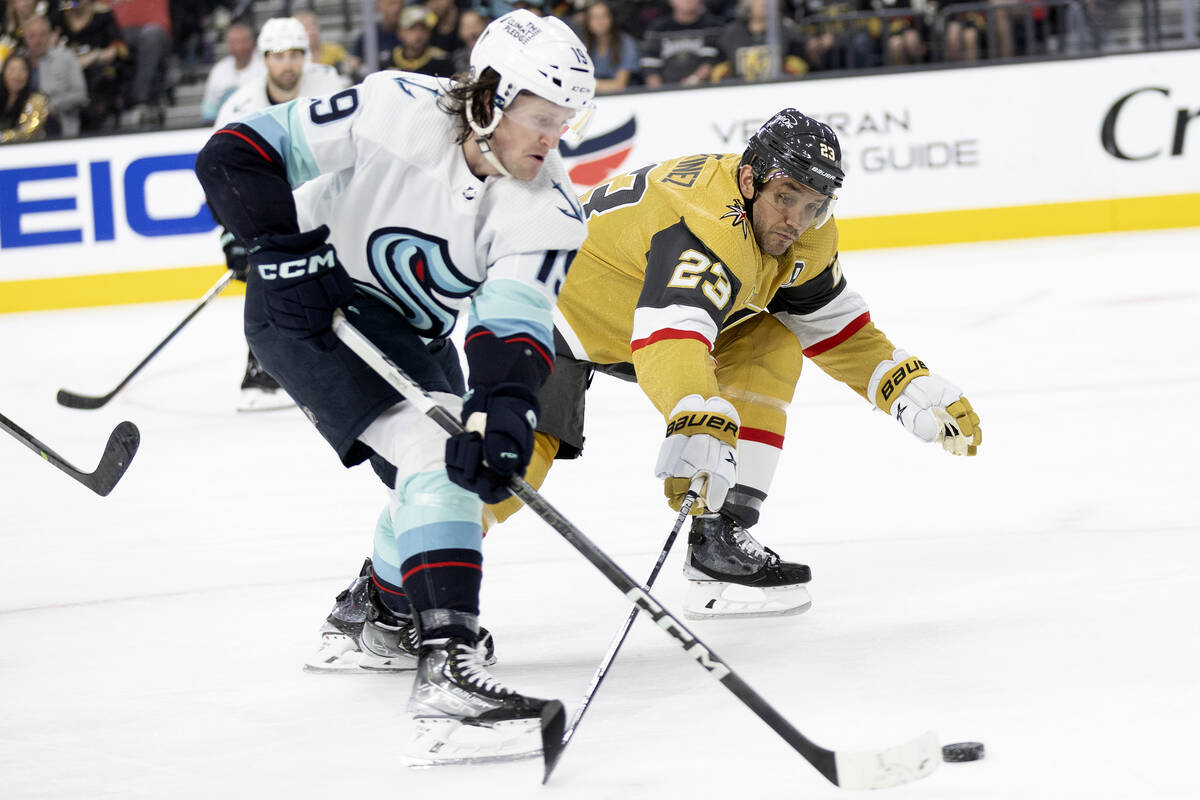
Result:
761,436
280,126
845,333
651,324
668,334
248,141
538,347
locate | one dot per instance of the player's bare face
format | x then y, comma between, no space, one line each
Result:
528,131
284,69
783,211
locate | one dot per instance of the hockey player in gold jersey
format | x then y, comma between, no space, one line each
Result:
711,278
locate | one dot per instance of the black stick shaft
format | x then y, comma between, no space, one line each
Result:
89,402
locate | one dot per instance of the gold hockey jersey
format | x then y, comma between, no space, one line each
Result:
671,264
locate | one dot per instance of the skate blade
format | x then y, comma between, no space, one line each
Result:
719,600
339,654
443,741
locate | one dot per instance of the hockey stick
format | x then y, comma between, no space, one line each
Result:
72,400
553,747
118,453
876,769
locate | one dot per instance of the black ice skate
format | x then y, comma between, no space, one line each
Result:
732,575
362,635
261,392
464,715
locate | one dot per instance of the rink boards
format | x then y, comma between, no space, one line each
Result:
941,156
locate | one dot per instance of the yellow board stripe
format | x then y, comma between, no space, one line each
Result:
859,233
117,288
1021,222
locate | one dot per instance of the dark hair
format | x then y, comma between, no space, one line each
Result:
589,39
10,117
476,93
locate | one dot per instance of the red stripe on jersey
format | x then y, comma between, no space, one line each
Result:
536,345
415,570
761,436
667,334
845,333
248,141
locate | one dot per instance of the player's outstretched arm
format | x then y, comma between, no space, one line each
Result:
930,407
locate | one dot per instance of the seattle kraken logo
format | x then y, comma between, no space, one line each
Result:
416,271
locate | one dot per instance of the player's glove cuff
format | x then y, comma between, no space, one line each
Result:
930,407
303,283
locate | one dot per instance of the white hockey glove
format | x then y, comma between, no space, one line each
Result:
701,439
930,407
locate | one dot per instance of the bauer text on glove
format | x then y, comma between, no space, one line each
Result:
927,405
701,439
303,283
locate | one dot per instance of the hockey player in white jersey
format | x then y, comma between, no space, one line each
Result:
427,197
291,73
283,43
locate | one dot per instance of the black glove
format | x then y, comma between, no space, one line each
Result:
235,256
485,463
303,284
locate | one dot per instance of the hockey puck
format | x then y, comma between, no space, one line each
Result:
962,751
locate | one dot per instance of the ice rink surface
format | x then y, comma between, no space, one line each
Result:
1043,598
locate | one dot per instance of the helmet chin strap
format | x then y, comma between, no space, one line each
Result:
483,138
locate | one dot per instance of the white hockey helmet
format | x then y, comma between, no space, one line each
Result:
540,55
280,34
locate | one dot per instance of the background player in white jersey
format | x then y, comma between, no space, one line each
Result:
436,197
283,44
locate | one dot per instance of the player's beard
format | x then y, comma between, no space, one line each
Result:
775,241
286,81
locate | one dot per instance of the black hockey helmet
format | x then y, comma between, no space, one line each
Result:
799,147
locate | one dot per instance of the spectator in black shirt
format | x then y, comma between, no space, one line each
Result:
445,34
90,30
743,42
415,53
681,48
387,18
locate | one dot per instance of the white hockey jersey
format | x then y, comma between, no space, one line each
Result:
409,220
316,80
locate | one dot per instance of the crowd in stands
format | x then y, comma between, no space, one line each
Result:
82,66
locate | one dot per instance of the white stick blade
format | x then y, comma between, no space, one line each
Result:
883,768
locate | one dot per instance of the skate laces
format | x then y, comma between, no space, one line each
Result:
751,546
469,664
